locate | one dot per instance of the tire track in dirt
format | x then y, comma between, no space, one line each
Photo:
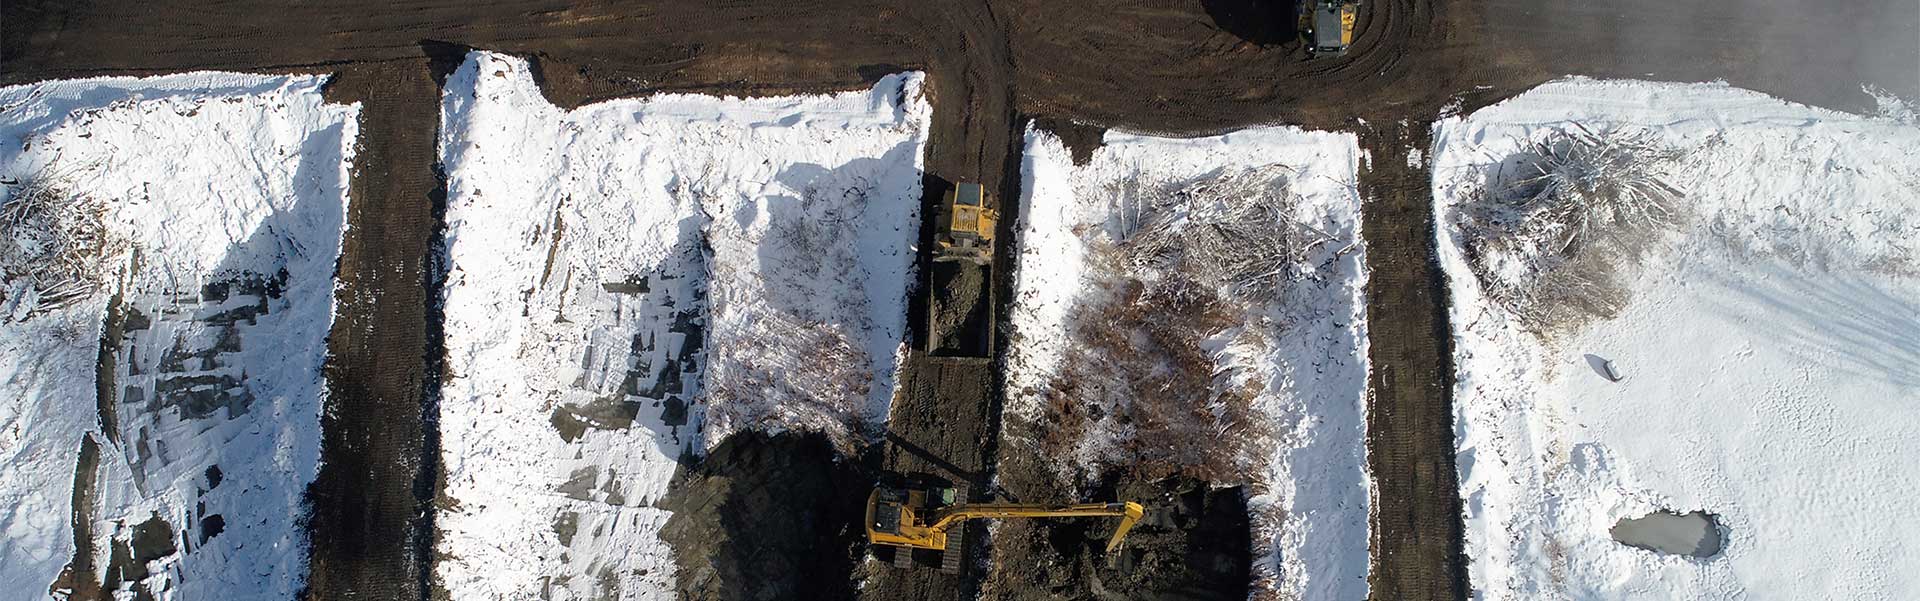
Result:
371,522
1417,547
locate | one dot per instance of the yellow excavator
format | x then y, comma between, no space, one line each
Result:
909,519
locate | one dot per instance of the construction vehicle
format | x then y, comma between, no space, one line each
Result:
930,518
959,282
965,226
1327,25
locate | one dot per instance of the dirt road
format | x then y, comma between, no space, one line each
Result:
1174,66
370,499
1417,541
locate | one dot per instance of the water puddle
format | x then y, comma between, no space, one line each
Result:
1695,534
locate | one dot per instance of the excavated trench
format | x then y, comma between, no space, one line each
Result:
1194,543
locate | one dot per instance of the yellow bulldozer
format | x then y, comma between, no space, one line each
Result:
965,225
1327,25
930,518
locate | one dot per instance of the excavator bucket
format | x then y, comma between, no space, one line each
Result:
1132,515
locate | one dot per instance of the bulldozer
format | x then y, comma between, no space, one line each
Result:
930,518
964,229
1327,25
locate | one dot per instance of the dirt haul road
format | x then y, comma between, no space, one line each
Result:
1185,67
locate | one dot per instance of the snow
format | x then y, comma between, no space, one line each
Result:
635,280
1312,493
1768,360
219,182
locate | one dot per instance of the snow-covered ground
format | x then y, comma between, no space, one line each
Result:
1301,351
640,278
230,191
1769,361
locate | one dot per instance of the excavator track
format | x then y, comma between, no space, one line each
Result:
956,540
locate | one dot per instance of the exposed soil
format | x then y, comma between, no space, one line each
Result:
1194,543
80,581
128,558
941,430
112,334
767,518
371,496
1417,546
961,308
1162,66
1080,139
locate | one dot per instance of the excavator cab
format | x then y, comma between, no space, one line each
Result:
965,225
930,518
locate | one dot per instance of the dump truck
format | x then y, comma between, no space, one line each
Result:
930,518
959,283
1327,25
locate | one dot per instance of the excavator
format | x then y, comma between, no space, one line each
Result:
924,518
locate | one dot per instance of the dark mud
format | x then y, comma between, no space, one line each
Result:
112,334
1194,543
962,309
1080,139
1418,552
80,581
370,501
941,429
767,518
132,550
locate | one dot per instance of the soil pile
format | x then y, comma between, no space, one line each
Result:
767,517
1194,543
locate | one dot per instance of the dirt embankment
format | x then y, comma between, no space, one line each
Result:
767,518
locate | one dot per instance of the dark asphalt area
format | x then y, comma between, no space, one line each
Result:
1177,67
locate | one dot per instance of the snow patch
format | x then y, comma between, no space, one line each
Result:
230,191
1311,491
636,280
1765,362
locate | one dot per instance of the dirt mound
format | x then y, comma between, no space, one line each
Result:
1194,543
961,309
767,517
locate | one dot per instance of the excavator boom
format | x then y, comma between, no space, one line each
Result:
907,519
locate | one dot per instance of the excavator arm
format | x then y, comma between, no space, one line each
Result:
910,519
1128,512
